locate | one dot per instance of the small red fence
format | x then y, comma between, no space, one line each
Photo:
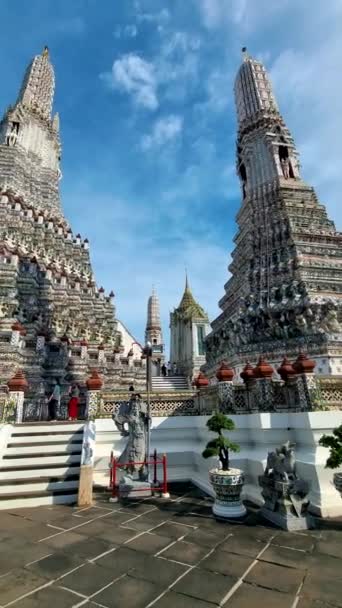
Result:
155,462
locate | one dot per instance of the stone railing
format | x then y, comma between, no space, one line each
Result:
166,404
329,392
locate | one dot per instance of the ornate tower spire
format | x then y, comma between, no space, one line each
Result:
265,149
285,288
38,85
30,148
153,331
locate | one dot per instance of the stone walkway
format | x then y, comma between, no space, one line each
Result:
169,554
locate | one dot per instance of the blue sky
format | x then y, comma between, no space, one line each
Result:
144,91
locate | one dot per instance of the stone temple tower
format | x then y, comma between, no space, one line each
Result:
153,332
30,149
189,325
54,321
285,290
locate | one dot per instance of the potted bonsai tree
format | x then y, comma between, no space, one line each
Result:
334,442
227,482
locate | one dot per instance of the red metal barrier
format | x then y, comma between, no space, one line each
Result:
157,486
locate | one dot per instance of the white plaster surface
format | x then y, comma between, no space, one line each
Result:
183,439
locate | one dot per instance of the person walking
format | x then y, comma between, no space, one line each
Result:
54,401
73,402
163,370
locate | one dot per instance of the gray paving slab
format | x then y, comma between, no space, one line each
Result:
120,566
49,597
128,592
158,570
187,553
257,597
149,543
88,579
178,600
272,576
227,563
204,585
55,565
323,588
17,583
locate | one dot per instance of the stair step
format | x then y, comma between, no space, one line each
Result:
41,443
18,463
36,437
38,473
21,489
38,501
19,481
42,450
48,427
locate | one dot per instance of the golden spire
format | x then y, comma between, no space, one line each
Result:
45,52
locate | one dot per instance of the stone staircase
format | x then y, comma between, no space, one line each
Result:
40,464
169,384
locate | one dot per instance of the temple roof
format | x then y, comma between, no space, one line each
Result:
188,307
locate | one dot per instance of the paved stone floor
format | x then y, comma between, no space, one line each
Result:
167,554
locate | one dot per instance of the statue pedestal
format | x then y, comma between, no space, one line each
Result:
285,503
288,522
135,489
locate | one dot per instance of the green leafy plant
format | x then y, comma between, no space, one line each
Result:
334,442
221,445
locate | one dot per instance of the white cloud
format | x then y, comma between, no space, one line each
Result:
74,26
245,14
136,76
160,17
129,31
164,131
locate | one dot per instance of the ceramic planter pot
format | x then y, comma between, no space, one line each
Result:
227,486
338,482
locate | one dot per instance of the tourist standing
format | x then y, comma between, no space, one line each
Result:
174,369
73,402
54,401
163,370
169,369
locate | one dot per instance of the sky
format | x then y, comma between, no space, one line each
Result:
144,89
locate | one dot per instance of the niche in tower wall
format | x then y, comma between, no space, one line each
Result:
285,162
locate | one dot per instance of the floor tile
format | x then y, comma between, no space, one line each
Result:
173,530
325,565
242,545
149,543
294,541
62,541
49,597
178,600
187,553
286,557
108,531
331,547
128,592
257,597
227,563
275,577
55,565
121,560
88,579
17,583
204,585
158,570
323,588
205,538
91,548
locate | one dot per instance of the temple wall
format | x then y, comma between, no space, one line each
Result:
183,438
